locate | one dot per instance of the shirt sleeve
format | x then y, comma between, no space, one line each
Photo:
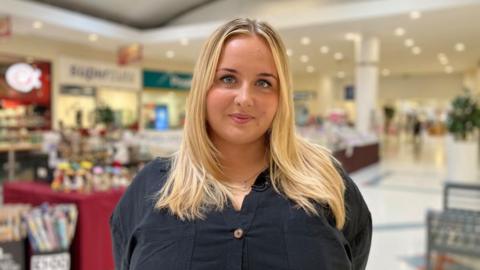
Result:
358,224
118,244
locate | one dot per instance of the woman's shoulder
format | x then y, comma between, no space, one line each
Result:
358,215
152,175
141,193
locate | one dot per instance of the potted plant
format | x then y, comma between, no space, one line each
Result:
104,115
462,146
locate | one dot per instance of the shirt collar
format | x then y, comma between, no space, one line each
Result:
263,181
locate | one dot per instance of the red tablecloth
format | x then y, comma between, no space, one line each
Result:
92,246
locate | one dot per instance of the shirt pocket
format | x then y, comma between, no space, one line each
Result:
163,243
313,244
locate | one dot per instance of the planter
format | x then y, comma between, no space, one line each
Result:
462,161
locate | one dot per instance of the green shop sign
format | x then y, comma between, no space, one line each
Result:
170,80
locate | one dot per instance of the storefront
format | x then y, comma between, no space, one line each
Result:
163,99
25,93
25,111
86,87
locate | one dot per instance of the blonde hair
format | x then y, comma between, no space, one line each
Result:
302,171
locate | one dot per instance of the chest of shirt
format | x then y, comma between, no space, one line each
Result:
269,232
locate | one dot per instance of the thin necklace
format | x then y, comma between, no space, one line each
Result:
244,187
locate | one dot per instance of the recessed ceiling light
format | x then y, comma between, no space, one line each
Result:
409,42
338,56
305,41
416,50
184,41
310,69
324,49
37,24
93,37
170,54
448,69
415,15
304,58
385,72
289,52
340,74
399,31
460,47
351,36
442,58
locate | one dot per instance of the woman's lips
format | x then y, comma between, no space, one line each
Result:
240,118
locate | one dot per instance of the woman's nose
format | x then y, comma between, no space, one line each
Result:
244,96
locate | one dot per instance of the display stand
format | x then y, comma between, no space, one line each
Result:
50,261
456,230
92,247
12,255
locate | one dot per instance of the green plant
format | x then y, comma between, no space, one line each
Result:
104,114
464,118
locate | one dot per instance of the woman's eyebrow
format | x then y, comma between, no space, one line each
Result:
227,69
268,75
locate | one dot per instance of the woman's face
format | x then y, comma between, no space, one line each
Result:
243,99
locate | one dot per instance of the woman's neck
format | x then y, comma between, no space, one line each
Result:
241,161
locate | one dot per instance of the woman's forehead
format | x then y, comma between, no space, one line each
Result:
247,49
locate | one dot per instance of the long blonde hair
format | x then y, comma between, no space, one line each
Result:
300,170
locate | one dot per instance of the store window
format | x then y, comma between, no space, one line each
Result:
25,97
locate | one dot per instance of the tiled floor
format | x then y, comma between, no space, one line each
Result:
399,191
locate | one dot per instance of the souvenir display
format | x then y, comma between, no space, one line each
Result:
11,226
51,228
84,177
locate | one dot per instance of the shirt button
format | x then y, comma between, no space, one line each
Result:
238,233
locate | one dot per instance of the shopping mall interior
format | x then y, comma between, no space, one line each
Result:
91,91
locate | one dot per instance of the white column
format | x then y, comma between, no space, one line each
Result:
471,79
325,98
367,50
477,90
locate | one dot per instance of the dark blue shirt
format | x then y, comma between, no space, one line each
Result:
268,232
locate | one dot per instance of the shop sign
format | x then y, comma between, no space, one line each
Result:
5,27
23,77
130,54
169,80
77,90
304,95
91,73
349,92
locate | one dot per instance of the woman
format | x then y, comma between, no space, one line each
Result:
243,191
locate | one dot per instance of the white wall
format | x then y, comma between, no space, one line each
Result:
441,87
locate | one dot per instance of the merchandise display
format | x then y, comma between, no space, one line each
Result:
84,177
91,159
11,226
51,228
91,245
336,136
158,143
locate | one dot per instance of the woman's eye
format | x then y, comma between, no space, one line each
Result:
264,83
227,79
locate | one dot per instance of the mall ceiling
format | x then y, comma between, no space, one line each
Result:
174,30
140,14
